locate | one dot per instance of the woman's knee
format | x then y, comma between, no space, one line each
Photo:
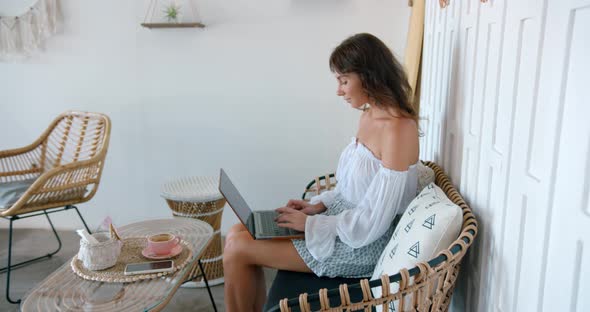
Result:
236,228
236,246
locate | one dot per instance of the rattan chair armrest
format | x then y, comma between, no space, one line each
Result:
20,150
20,162
75,164
75,170
73,175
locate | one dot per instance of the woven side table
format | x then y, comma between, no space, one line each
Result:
199,198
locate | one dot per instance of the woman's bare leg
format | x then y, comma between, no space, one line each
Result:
242,261
260,289
259,273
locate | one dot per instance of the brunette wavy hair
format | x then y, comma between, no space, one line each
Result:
381,75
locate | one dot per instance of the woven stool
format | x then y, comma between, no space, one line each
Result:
199,197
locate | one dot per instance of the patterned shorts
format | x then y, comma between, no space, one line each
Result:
346,261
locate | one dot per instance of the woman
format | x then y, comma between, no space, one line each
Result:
346,228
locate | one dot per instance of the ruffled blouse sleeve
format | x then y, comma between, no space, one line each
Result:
363,224
327,197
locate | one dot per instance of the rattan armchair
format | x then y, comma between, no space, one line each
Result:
66,164
430,289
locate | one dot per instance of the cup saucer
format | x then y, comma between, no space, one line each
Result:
148,253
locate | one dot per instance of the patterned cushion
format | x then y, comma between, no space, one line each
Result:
10,192
430,224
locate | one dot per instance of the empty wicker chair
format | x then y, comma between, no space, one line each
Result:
60,169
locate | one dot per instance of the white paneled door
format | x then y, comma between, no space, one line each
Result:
506,107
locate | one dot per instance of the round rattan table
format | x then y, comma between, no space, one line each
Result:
63,290
199,198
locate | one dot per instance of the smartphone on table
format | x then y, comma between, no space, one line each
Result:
149,267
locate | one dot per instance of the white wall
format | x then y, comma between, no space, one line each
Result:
505,91
251,92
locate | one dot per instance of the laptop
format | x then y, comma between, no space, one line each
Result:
260,224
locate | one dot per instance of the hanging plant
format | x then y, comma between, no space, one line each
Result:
24,34
172,13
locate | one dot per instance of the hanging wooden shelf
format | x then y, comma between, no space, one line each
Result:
172,25
176,14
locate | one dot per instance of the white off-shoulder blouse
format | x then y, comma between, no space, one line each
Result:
378,194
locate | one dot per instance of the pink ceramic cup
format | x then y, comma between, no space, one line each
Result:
162,244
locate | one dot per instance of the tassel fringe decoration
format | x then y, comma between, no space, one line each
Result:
21,36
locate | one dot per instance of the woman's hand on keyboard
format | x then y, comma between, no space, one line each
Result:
291,218
304,207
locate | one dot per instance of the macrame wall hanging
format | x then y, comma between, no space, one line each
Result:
22,35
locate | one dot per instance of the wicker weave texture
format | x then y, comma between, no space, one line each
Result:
212,262
429,290
319,185
210,212
192,189
67,161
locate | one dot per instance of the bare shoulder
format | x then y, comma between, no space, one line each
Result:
400,147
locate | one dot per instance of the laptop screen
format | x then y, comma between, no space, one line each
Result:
233,197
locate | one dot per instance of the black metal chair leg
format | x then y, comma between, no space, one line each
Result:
80,215
9,266
207,284
49,255
56,236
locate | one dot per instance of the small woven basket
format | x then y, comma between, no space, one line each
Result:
102,255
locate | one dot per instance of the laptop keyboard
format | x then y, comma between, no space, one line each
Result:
265,224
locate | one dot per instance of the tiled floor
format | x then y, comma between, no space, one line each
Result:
29,243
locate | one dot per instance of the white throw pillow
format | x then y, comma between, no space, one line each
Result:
430,224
